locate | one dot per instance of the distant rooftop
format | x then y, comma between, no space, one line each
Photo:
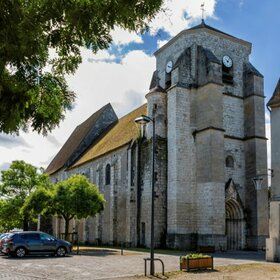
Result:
274,101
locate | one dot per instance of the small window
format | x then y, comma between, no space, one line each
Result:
132,166
227,75
229,162
167,80
108,174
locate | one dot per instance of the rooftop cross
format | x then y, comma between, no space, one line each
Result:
202,11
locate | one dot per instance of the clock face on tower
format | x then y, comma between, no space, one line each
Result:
168,67
227,61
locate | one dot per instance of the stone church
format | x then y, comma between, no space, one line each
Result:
207,101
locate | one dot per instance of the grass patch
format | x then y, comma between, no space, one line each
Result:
238,267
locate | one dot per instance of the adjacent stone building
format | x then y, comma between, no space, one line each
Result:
273,242
208,104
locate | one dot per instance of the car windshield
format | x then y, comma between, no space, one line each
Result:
3,235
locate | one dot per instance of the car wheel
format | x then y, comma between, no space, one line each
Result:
60,252
20,252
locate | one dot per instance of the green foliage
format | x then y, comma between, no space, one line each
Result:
37,202
74,197
31,95
77,197
195,256
17,184
9,214
21,179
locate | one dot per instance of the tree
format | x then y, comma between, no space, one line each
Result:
31,95
9,214
75,197
17,184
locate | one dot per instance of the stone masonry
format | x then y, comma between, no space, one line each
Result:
207,103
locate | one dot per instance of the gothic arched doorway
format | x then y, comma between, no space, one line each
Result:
235,225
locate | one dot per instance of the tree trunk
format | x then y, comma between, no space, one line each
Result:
25,223
66,230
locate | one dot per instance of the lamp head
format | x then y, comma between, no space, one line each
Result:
142,120
258,182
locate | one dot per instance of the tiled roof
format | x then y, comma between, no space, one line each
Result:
121,134
82,137
275,99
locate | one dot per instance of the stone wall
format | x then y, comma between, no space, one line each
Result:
110,226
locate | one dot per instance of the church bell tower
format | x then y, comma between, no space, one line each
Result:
215,141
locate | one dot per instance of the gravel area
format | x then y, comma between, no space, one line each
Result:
110,264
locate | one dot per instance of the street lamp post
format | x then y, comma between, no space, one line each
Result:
143,120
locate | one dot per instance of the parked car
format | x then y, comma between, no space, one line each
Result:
24,243
2,238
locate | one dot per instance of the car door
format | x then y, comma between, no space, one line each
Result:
49,242
32,241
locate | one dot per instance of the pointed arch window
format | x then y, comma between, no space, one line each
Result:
108,174
229,162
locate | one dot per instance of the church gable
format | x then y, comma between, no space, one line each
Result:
203,27
82,137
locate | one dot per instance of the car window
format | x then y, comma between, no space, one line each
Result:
7,235
45,236
30,236
3,236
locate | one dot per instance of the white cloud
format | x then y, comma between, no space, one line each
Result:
121,36
160,43
174,19
96,84
12,141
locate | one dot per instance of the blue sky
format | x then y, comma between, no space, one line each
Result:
122,74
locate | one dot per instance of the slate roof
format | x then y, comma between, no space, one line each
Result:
251,69
118,136
82,137
274,101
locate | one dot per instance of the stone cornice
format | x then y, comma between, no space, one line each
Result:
208,128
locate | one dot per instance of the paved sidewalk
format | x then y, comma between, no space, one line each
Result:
106,264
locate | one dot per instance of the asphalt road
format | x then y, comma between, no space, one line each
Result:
102,264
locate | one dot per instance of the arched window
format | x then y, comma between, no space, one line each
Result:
108,174
229,162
